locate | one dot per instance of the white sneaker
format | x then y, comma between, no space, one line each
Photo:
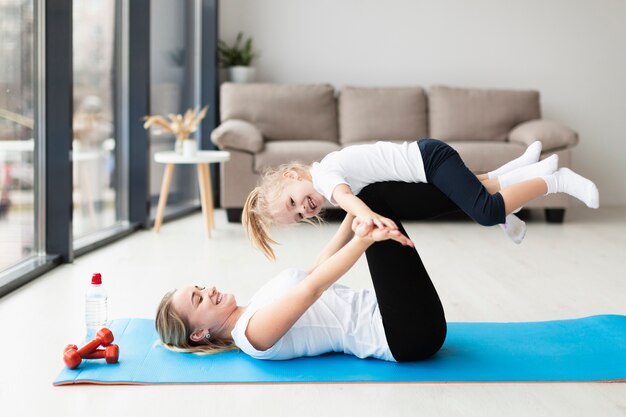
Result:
514,228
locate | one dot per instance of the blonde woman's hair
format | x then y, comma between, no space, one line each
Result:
174,332
257,217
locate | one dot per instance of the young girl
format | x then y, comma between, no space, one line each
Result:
296,192
305,313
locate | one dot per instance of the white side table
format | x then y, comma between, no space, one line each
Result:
201,159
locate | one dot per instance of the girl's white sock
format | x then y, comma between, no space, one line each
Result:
530,156
514,227
538,169
567,181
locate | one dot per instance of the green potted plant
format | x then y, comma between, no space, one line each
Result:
238,58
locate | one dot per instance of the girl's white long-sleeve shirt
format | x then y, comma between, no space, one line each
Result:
361,165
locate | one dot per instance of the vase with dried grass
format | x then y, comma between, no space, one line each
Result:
181,126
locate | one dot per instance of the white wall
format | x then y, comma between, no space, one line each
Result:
572,51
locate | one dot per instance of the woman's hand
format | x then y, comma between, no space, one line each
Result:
371,233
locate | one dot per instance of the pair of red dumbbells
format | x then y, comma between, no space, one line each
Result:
72,356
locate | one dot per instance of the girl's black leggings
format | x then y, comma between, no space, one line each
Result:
413,317
446,170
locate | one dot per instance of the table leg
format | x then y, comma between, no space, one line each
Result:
165,189
203,197
209,197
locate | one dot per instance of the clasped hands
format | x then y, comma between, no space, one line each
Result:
378,228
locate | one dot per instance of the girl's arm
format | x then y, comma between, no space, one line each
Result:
342,194
343,236
270,323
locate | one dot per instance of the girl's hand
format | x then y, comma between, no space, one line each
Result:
376,220
371,233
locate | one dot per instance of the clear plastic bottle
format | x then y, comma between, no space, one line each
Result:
95,306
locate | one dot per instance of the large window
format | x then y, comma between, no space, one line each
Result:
96,76
173,90
17,132
75,84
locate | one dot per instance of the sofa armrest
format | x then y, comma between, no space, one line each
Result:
552,135
238,135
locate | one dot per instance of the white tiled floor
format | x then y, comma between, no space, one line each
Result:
560,271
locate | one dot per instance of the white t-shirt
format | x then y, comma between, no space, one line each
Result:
361,165
341,320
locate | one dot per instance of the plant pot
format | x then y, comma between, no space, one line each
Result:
190,147
178,146
241,74
223,75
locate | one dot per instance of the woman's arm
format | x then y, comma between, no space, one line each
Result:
343,236
338,241
270,323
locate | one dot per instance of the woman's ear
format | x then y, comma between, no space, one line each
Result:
197,336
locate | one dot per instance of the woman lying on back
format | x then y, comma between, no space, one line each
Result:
305,313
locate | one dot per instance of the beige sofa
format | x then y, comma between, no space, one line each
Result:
268,124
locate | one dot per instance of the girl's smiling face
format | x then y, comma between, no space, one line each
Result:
297,200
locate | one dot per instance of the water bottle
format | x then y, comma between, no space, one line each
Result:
95,306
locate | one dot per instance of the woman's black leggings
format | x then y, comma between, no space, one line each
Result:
446,170
413,317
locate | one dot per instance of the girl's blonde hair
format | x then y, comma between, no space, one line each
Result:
174,332
257,217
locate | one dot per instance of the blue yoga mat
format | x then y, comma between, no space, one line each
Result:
586,349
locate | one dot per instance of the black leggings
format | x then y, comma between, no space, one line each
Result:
446,170
413,317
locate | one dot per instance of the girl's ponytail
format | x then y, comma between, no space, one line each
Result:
257,225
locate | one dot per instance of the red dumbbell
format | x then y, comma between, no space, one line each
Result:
72,356
111,354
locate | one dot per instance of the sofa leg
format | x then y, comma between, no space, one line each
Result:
555,215
233,215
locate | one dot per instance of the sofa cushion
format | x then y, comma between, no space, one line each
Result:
282,111
552,135
238,135
285,151
391,113
479,114
481,156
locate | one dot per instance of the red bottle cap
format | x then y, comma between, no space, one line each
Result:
96,279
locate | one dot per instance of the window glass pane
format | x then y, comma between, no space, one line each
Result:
93,148
171,92
17,105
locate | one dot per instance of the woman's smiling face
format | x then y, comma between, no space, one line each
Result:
203,308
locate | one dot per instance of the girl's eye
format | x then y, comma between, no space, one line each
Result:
293,203
300,216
